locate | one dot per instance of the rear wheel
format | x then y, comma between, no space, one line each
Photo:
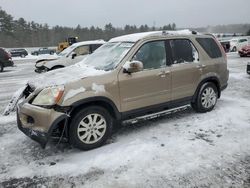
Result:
234,49
90,128
206,98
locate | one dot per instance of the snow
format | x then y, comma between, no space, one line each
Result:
56,78
100,41
185,149
14,100
73,92
126,65
98,88
35,57
64,75
138,36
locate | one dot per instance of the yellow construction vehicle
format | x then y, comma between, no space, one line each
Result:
69,41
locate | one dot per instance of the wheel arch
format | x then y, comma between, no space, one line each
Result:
97,101
213,80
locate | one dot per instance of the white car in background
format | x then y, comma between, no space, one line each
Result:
70,56
238,43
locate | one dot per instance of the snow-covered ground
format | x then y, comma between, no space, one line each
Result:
185,149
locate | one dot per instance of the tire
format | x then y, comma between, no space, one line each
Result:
85,135
206,98
56,67
1,67
51,53
234,49
22,56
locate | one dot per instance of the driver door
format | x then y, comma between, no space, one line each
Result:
80,53
150,86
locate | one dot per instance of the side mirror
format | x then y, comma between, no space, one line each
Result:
73,55
132,66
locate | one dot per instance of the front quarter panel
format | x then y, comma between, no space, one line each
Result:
102,86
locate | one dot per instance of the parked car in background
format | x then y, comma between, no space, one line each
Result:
245,51
41,51
130,78
20,52
238,43
71,55
248,68
5,59
226,45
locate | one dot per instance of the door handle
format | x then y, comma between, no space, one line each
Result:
162,74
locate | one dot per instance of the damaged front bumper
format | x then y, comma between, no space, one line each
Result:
38,123
40,137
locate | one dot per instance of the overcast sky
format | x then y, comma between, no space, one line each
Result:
185,13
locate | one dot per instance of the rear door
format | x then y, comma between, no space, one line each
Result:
186,69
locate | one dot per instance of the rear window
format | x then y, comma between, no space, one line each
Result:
210,46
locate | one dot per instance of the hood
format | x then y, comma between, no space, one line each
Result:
64,75
42,62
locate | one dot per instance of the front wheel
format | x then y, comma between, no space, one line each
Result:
206,98
90,128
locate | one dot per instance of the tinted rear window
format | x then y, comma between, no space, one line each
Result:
210,46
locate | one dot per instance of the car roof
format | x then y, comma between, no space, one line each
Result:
138,36
88,42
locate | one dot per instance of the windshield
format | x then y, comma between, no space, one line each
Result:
66,51
108,56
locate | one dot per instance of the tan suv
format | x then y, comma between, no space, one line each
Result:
130,78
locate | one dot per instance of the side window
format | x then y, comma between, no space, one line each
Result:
242,40
210,46
183,51
152,55
94,47
82,50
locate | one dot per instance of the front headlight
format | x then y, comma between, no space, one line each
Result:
40,64
49,96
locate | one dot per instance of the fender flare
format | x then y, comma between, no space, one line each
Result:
212,79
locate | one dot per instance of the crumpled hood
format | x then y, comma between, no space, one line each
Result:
50,62
64,75
56,77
